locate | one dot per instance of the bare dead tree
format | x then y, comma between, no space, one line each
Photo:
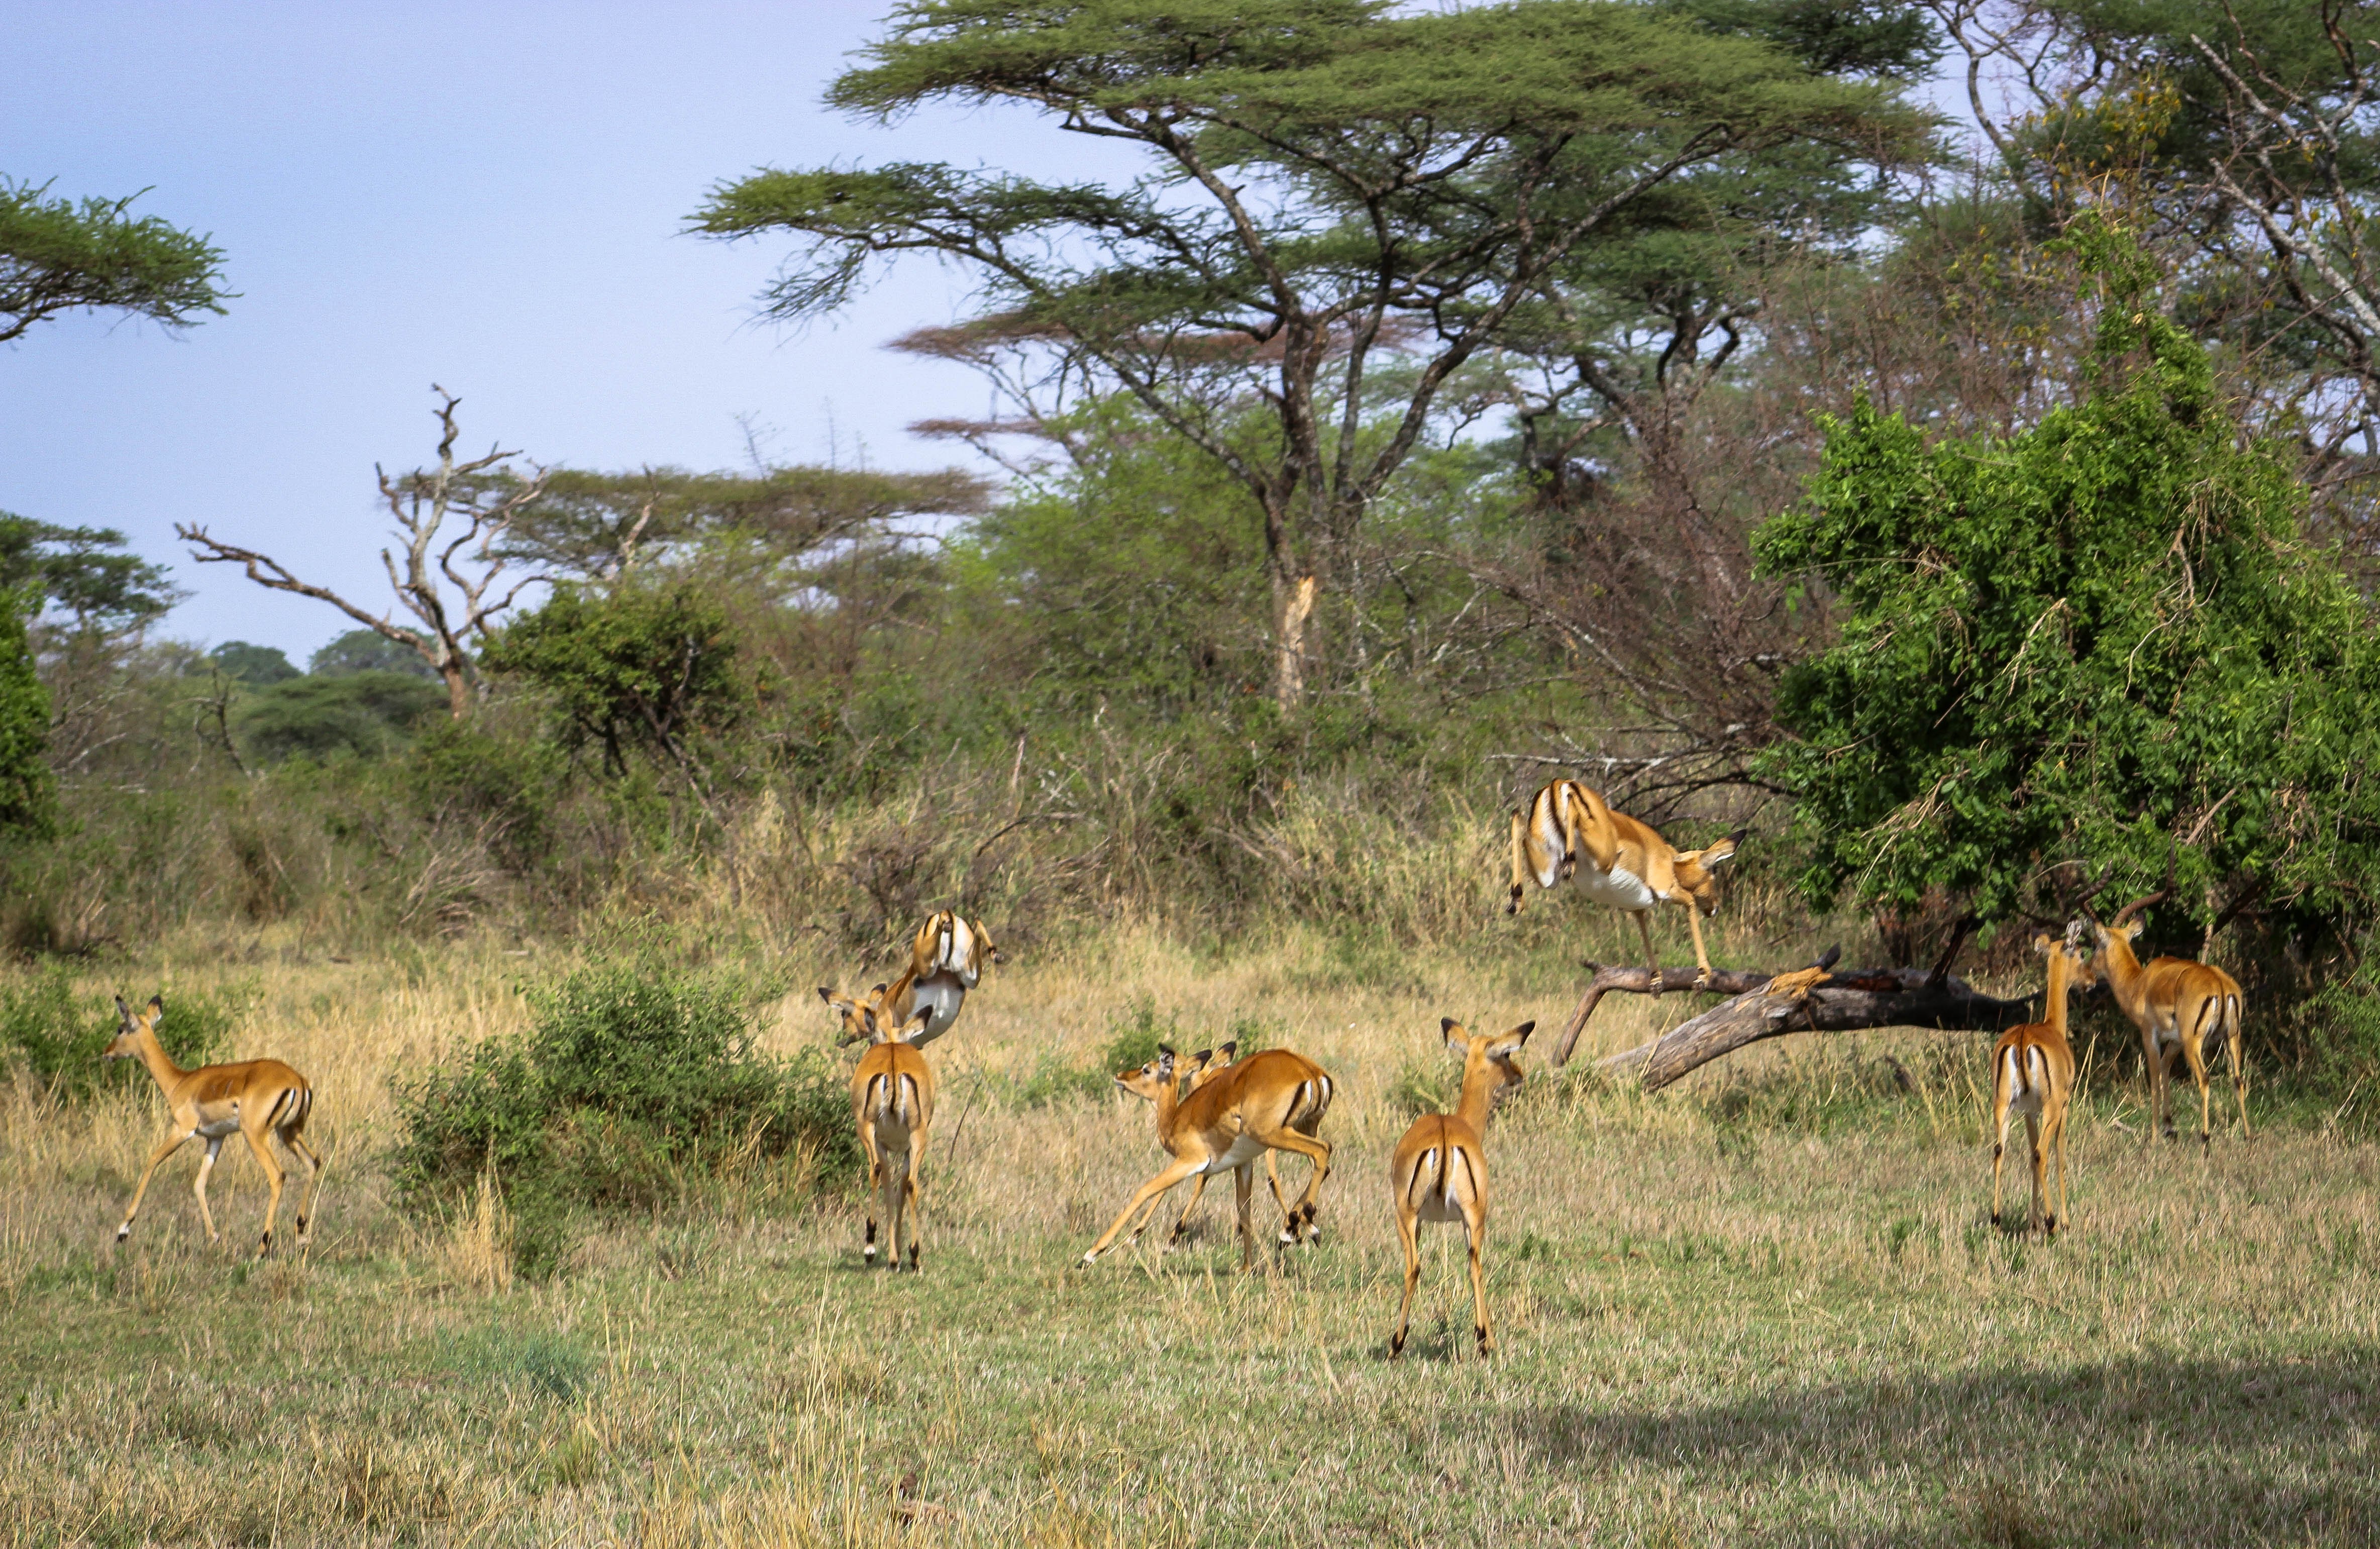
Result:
450,520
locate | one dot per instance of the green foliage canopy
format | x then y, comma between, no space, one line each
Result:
2102,641
367,650
58,255
83,571
29,791
366,713
257,666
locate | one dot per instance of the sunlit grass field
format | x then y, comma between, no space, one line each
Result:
1764,1307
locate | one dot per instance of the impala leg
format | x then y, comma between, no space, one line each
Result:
1197,1187
1318,1151
916,1197
1413,1276
165,1148
2040,1161
1244,1194
1475,1223
1999,1148
199,1187
1701,958
2231,1046
274,1175
1652,959
1173,1174
875,1185
2193,1050
2057,1137
297,1148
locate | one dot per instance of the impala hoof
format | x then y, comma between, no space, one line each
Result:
1703,979
123,1232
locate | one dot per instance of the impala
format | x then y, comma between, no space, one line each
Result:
2178,1004
1568,834
1270,1101
893,1104
254,1099
1439,1170
946,959
2032,1075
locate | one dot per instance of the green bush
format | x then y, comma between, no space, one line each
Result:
637,1084
59,1036
365,713
1133,1039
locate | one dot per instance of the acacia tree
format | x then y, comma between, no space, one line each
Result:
2102,647
58,255
1338,194
451,519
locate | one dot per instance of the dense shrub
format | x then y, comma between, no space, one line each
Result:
637,1084
363,712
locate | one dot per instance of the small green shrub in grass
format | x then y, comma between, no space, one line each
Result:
636,1085
1133,1039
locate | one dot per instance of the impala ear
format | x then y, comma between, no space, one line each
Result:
1229,1051
1452,1031
878,991
826,995
1716,855
910,1033
1203,1056
1509,1044
123,1011
1165,1049
157,1009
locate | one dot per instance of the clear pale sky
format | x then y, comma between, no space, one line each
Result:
484,195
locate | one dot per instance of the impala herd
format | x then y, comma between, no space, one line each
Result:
1217,1112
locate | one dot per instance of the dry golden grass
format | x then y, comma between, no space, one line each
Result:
1765,1308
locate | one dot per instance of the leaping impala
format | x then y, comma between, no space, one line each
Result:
893,1104
2032,1075
946,959
1568,834
1439,1170
253,1098
1270,1101
2178,1004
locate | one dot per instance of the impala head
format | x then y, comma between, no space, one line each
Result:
1151,1081
864,1022
1496,1053
129,1025
2125,927
1697,872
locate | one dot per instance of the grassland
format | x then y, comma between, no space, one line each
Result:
1767,1307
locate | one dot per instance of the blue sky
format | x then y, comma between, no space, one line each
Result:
487,197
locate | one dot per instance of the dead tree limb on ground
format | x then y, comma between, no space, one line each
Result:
481,498
1803,1000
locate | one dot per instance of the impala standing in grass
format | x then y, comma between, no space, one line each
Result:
893,1104
1439,1170
2032,1075
254,1099
1270,1101
1567,833
2178,1004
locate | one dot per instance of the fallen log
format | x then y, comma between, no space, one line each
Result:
1639,981
1856,998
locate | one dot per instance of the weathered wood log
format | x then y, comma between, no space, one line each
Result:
1639,981
1859,997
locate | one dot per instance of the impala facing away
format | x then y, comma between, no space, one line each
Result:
253,1098
2178,1005
946,959
1567,833
1270,1101
1439,1171
2032,1075
893,1104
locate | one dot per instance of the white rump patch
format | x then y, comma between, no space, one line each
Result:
1618,887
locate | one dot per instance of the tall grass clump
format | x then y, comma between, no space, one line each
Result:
636,1085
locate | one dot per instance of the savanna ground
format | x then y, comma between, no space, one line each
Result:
1766,1307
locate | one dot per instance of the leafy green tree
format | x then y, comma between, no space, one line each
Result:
650,669
257,666
2102,643
59,256
363,712
1338,191
367,650
82,571
28,791
597,524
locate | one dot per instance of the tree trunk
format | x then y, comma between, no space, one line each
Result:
1296,605
459,689
1855,998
